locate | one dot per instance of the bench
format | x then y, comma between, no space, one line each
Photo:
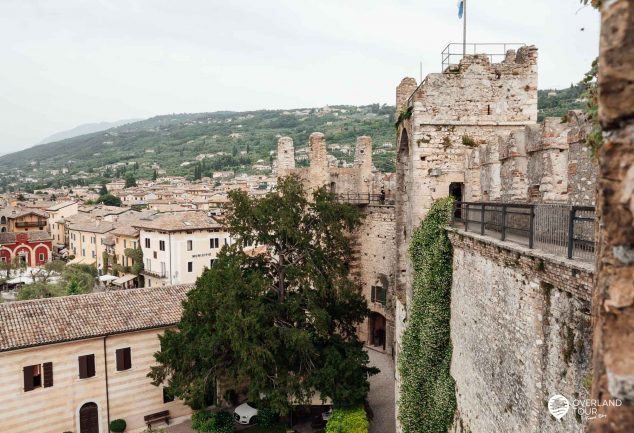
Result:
156,417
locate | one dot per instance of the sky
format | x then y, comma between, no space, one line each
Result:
68,62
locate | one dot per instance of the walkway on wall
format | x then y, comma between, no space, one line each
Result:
562,230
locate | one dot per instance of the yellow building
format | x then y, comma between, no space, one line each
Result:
75,363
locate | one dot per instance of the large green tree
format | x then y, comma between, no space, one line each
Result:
280,318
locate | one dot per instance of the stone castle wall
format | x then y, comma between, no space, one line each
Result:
374,242
520,329
520,320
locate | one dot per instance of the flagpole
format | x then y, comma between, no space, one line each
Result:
464,28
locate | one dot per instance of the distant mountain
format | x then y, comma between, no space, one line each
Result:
87,128
199,143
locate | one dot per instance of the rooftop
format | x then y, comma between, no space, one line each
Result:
68,318
179,221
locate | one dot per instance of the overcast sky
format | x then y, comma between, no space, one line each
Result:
69,62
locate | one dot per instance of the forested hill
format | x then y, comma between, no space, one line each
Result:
171,140
556,103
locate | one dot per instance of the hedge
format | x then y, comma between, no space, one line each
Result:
427,400
212,422
348,421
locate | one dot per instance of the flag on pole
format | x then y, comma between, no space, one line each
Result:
460,8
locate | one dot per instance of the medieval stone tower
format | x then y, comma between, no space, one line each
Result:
285,154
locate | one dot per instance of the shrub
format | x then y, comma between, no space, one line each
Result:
117,425
351,420
468,141
266,417
428,397
212,422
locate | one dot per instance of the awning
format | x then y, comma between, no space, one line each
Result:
107,277
82,260
124,279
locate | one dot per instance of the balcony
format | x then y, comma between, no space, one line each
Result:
154,273
29,224
563,230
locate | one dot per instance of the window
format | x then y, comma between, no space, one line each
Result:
167,395
154,254
147,242
37,376
190,245
379,294
86,366
214,242
162,269
124,359
190,266
147,265
41,257
125,243
94,254
83,252
211,263
83,238
162,245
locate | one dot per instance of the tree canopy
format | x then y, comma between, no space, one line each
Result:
281,317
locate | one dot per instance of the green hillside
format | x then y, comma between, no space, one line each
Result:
170,140
556,103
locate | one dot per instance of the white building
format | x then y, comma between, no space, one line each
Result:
177,247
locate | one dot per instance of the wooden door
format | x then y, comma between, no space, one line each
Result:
89,418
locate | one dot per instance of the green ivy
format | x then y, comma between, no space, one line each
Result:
135,254
428,399
353,420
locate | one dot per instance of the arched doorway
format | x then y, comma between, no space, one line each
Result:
377,330
456,191
89,418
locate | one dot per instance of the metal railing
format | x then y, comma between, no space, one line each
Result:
558,229
359,198
454,52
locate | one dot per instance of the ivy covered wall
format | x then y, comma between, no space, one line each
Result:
427,400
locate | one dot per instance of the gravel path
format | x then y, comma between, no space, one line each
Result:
381,395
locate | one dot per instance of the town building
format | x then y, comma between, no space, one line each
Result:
75,363
177,247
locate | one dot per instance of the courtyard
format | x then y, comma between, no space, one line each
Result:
381,399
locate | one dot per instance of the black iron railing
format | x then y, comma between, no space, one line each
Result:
366,199
559,229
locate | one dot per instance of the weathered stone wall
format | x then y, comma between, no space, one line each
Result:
613,302
520,329
375,251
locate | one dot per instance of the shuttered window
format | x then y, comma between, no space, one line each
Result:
48,374
378,294
37,376
124,359
86,366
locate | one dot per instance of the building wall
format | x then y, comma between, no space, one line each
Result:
37,253
375,252
88,246
55,409
57,215
520,333
176,256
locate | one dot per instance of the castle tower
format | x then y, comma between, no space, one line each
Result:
363,160
403,91
285,155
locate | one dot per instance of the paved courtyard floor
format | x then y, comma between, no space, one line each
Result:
381,396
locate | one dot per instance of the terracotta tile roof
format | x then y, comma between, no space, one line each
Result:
68,318
32,236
